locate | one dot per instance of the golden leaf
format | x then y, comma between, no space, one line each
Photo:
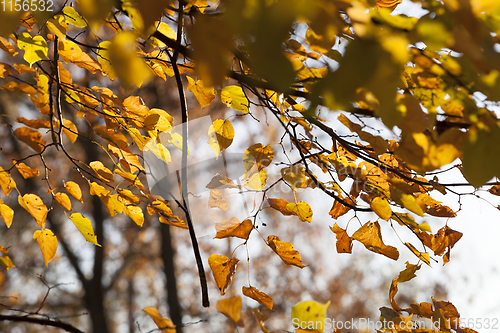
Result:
35,206
35,123
338,209
408,273
381,207
258,156
370,236
114,205
103,172
344,242
223,270
103,58
259,296
217,200
7,46
7,214
63,200
219,181
85,227
127,197
47,242
73,17
280,205
233,228
204,94
7,262
6,182
285,251
295,176
221,134
74,189
135,213
57,26
26,171
166,325
231,308
302,210
257,180
30,137
311,312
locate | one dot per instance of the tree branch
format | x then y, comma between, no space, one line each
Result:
45,322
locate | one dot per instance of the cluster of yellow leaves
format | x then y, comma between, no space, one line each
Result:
300,209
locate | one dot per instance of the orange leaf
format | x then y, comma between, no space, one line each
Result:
259,296
223,270
387,3
179,223
166,325
74,189
48,244
280,205
423,309
26,171
7,46
63,200
30,137
371,237
344,242
338,209
231,308
408,273
35,206
217,200
103,172
285,251
392,293
34,123
233,228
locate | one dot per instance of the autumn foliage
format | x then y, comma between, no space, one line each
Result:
372,108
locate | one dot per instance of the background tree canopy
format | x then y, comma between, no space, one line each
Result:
128,124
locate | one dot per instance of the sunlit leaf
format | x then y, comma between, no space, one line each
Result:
7,214
231,308
295,176
7,262
35,206
74,189
204,94
103,57
164,324
256,180
135,213
47,242
6,182
310,312
63,200
26,171
216,200
259,296
103,172
7,46
381,207
72,53
408,273
233,228
235,98
31,137
285,251
73,17
280,205
221,134
223,270
257,156
302,210
35,48
371,237
85,227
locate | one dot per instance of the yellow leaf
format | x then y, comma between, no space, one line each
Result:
221,134
30,137
35,206
204,94
408,273
371,237
285,251
166,325
103,58
129,160
103,172
295,176
233,228
74,189
166,30
7,46
256,180
73,17
47,242
258,156
7,262
424,256
302,210
130,68
310,312
26,171
136,214
114,205
7,214
69,128
127,197
217,200
35,48
85,227
259,296
223,270
72,53
344,242
280,205
381,207
235,98
57,26
6,182
63,199
231,308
